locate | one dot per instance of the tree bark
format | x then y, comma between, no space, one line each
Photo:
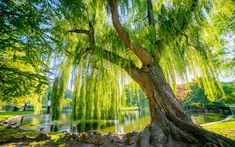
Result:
170,126
137,49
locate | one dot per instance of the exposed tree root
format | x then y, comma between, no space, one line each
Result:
172,136
154,135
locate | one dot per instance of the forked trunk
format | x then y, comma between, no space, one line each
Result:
170,126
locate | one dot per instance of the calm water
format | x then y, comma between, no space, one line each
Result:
129,120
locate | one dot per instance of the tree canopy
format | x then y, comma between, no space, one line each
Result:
77,38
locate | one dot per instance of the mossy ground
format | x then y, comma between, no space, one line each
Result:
11,136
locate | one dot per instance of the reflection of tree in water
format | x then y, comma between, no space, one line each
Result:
45,124
204,117
81,126
128,116
86,125
54,128
21,120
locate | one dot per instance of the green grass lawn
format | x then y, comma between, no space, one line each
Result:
5,115
225,128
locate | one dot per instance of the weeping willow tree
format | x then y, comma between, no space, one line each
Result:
155,43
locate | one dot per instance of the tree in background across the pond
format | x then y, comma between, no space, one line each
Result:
197,97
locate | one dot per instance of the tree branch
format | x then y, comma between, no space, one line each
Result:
89,33
116,59
202,51
139,51
187,40
79,31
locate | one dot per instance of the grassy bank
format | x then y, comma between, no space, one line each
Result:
225,128
5,115
15,136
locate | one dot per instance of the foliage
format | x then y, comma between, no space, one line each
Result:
229,91
25,43
198,97
134,96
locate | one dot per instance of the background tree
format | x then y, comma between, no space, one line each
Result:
25,49
197,97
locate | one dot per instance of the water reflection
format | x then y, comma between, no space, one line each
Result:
206,118
129,120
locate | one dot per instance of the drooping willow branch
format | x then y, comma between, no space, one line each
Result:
89,33
79,31
194,46
15,82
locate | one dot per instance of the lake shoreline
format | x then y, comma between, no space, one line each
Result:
114,126
18,136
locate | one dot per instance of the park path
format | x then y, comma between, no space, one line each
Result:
216,122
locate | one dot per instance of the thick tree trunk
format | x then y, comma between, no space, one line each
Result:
170,126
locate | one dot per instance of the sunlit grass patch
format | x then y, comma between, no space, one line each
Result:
226,129
38,143
5,115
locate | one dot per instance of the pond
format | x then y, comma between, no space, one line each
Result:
129,120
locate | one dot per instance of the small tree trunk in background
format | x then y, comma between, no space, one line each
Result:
15,108
21,120
25,105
